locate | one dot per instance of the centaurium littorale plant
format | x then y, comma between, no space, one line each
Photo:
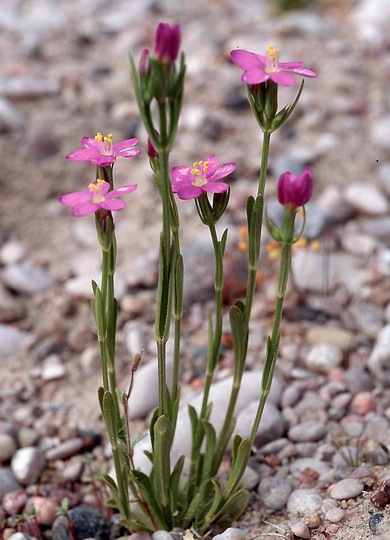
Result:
187,493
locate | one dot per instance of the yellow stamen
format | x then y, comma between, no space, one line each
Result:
195,172
108,139
272,53
98,137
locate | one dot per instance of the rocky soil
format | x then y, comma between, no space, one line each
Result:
321,467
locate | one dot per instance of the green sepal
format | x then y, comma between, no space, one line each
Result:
273,230
284,114
219,205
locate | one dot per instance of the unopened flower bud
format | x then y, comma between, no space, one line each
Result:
144,62
150,149
167,42
295,190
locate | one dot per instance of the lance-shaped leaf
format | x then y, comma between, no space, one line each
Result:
163,436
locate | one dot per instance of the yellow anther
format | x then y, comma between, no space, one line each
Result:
195,172
195,164
98,137
100,182
200,163
93,187
315,245
272,53
108,139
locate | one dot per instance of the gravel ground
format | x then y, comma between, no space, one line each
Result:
64,75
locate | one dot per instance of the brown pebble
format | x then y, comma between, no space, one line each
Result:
65,449
381,498
14,502
46,510
362,403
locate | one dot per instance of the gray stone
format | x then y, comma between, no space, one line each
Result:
231,533
315,271
161,535
324,357
13,342
65,449
271,425
274,492
303,502
26,278
349,488
299,465
307,431
52,368
366,198
7,447
27,464
379,359
87,523
371,19
380,133
10,117
8,482
300,530
368,318
358,243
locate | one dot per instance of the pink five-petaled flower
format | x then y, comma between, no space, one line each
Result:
295,190
97,196
190,182
167,42
259,69
101,152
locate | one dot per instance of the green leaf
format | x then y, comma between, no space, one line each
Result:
111,484
223,241
254,229
236,443
240,337
109,415
149,493
233,508
211,441
174,482
99,313
193,419
178,302
238,467
163,436
100,397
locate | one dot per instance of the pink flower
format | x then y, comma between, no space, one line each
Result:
97,196
259,69
101,152
295,190
167,42
190,182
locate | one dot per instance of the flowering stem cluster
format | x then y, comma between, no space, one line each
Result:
187,493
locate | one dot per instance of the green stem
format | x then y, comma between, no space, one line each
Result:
273,342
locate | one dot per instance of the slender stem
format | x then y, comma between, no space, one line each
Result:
252,270
273,343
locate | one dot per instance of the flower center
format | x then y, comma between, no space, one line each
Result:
272,59
105,143
96,189
199,170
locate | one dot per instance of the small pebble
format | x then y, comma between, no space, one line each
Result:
52,368
303,502
349,488
362,403
161,535
65,449
274,492
8,482
7,447
381,498
46,509
324,357
300,530
231,533
27,464
335,515
307,431
14,502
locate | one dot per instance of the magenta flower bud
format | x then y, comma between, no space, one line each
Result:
144,62
167,42
295,190
150,149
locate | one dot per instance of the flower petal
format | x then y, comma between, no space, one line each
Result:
222,171
304,72
83,209
112,204
90,143
255,76
290,65
102,160
189,192
215,187
247,60
282,78
77,197
181,173
84,154
121,191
